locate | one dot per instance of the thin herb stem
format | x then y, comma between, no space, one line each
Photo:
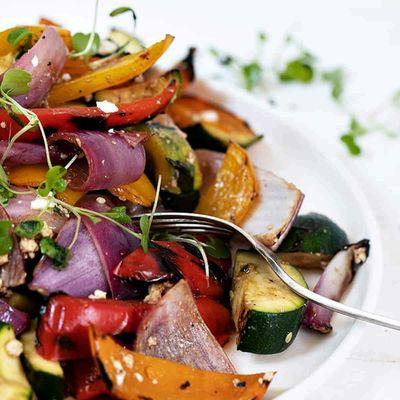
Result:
92,35
90,213
77,226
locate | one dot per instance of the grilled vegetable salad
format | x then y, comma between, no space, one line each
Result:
93,305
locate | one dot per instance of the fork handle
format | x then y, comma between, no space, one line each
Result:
321,300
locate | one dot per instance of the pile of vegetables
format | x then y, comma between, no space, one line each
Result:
94,305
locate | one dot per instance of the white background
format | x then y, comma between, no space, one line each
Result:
362,36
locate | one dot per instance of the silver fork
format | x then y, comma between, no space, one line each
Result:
197,223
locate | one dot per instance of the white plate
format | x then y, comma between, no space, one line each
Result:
330,190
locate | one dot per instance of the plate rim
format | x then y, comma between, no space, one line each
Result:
374,281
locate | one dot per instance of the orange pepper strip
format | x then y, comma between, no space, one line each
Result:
232,193
34,175
125,69
140,192
37,31
136,376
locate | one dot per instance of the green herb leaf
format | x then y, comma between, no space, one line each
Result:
80,41
17,35
252,75
5,193
144,224
54,181
350,137
300,69
6,243
119,214
123,10
29,228
15,82
216,247
60,255
262,37
352,146
335,78
3,175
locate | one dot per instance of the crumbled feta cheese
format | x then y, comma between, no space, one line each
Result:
156,291
128,360
14,348
3,259
101,200
209,116
139,377
111,130
42,203
120,372
152,341
106,106
66,77
98,294
46,230
35,61
28,245
3,124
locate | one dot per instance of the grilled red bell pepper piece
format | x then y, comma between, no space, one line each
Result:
54,119
63,328
85,380
217,317
142,266
191,269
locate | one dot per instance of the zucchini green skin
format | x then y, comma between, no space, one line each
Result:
13,383
46,377
280,331
171,156
207,136
314,233
266,313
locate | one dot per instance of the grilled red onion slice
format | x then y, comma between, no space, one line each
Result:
17,319
84,272
106,160
174,330
19,209
279,204
210,162
112,245
23,153
43,61
333,282
13,272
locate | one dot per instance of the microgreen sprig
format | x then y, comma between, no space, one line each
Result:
92,39
123,10
146,220
16,82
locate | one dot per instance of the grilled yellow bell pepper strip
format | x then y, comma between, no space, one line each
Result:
140,192
232,194
37,31
34,175
135,376
127,68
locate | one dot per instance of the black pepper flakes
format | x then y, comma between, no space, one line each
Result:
184,385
